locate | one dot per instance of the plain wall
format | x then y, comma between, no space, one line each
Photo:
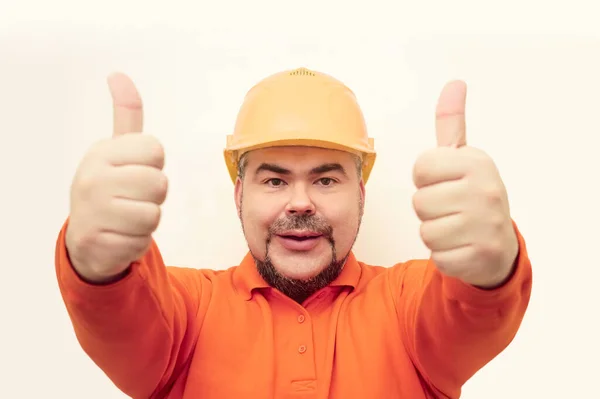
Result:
532,105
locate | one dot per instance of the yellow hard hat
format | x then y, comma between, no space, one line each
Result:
300,108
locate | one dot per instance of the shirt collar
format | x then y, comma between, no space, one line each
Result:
246,277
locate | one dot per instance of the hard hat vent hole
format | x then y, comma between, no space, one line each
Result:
302,72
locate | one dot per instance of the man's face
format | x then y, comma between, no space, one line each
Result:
300,209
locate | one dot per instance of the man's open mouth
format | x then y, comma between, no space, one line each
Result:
301,236
296,238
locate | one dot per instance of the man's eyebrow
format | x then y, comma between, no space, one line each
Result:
328,167
270,167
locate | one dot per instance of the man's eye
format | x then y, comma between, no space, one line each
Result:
326,181
275,182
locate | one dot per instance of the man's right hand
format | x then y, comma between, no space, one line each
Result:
116,193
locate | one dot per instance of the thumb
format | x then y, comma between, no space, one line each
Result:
128,114
450,125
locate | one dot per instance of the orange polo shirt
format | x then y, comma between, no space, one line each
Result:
406,331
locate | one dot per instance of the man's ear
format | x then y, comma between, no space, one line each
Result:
363,191
237,193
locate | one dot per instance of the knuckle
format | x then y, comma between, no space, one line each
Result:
475,153
162,187
90,173
497,222
78,241
481,160
141,245
155,150
427,235
424,166
152,217
489,250
419,204
442,264
493,194
85,186
416,201
481,156
420,171
100,147
155,185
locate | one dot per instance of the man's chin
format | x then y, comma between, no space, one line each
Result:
300,266
299,274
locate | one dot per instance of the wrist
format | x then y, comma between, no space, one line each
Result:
501,274
85,269
89,274
102,279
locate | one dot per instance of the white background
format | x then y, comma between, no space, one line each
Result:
533,72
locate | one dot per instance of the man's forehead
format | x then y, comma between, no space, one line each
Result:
297,153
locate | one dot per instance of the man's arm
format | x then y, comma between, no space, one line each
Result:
452,329
141,329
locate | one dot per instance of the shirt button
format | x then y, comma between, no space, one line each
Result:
302,349
301,319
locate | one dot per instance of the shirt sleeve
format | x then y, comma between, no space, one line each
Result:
139,330
452,329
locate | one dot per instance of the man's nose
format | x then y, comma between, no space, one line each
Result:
300,202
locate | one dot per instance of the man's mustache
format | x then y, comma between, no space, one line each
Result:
313,223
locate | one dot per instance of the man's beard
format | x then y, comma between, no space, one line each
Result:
296,289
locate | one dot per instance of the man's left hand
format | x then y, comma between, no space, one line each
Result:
462,202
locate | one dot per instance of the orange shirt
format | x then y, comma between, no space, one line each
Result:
405,331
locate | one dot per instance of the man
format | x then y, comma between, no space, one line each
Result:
300,317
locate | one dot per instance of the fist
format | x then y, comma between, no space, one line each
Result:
462,202
116,193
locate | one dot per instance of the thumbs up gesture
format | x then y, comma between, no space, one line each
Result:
116,192
462,202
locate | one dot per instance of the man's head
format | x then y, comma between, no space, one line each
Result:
301,209
300,156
